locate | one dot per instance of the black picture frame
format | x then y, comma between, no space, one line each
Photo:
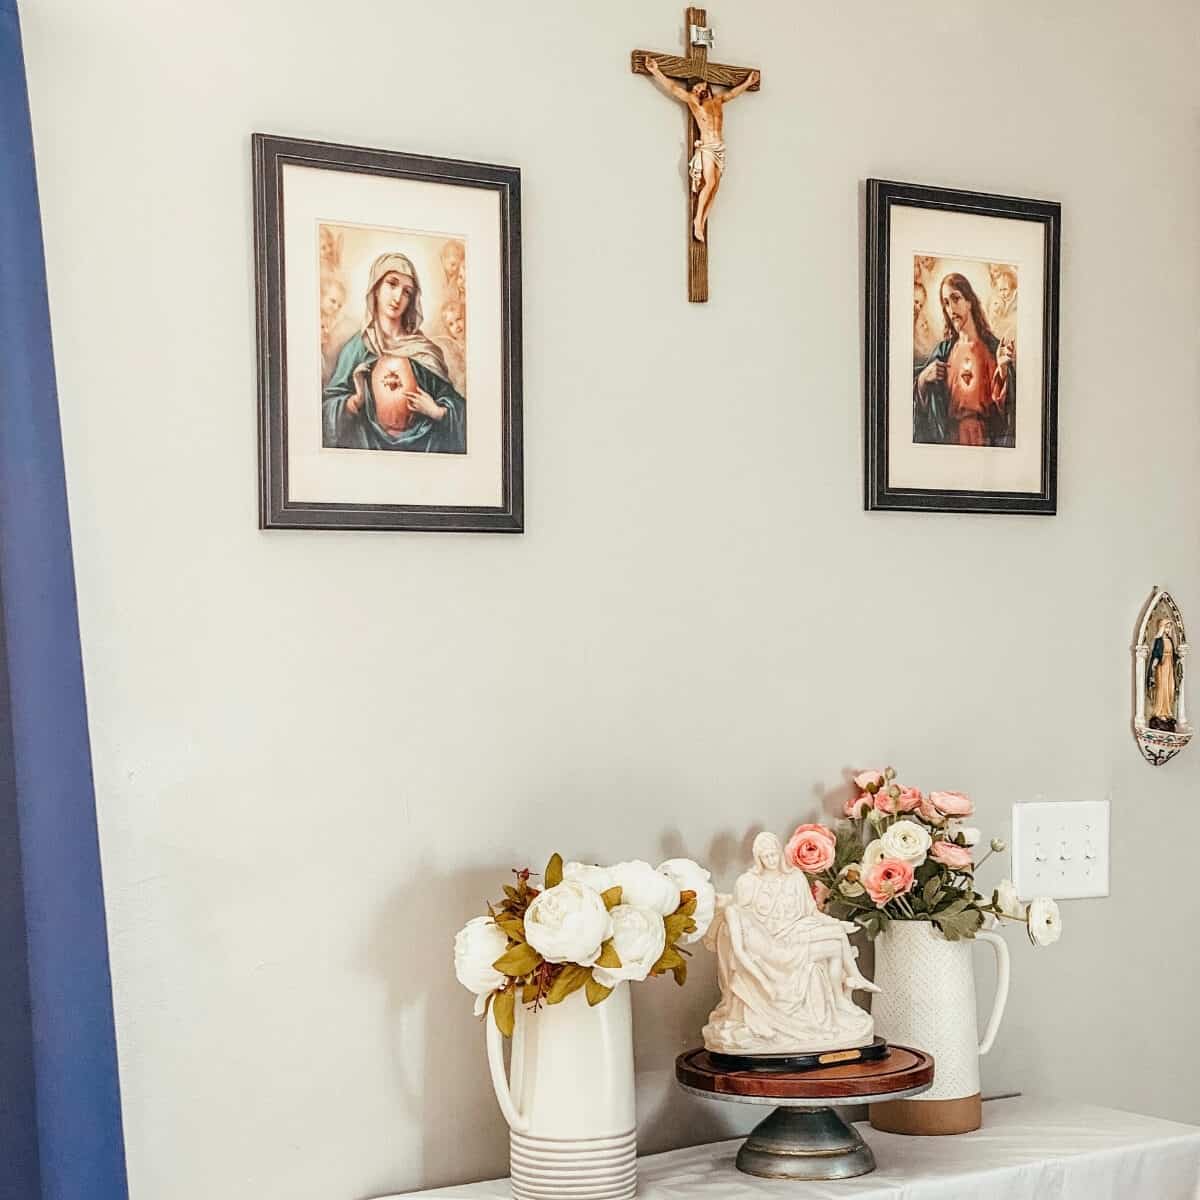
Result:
882,196
277,508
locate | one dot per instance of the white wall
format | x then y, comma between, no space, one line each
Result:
701,629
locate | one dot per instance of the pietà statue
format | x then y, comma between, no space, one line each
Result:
786,970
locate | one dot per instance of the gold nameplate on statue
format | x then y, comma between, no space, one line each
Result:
839,1056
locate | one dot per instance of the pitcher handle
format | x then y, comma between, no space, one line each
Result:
495,1052
1000,946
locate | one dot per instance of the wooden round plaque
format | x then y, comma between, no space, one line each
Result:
901,1070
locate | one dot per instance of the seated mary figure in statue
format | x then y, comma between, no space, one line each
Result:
787,971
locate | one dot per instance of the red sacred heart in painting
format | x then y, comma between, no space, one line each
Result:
392,382
968,372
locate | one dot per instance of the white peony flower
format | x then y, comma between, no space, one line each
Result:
906,841
1007,900
568,923
689,876
873,855
1045,923
476,946
644,887
970,834
599,879
639,938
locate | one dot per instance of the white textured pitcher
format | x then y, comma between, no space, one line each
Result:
927,1000
570,1101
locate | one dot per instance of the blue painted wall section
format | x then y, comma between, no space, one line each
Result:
79,1147
20,1177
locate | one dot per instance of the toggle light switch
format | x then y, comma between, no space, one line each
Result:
1060,850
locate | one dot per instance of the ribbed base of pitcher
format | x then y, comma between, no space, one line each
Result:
574,1169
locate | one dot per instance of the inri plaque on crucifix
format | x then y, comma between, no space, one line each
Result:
694,81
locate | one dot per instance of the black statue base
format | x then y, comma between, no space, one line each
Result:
1166,724
788,1064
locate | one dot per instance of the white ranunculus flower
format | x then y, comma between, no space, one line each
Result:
1045,923
848,880
873,855
970,834
690,876
568,923
476,946
907,841
599,879
639,938
644,887
1008,901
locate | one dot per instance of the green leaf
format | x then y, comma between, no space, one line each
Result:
518,960
529,993
570,979
677,925
554,869
596,991
513,926
680,973
611,898
671,958
931,890
609,956
687,905
963,924
504,1006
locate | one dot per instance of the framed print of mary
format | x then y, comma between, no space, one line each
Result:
962,351
389,340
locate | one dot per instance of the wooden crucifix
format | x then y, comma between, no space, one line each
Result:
705,128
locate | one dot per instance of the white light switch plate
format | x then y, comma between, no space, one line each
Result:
1060,850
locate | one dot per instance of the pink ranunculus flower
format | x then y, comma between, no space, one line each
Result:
951,804
820,893
868,779
857,807
928,813
951,855
888,879
907,799
812,848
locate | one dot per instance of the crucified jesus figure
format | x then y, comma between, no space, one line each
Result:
708,160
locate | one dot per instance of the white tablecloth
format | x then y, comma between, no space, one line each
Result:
1027,1150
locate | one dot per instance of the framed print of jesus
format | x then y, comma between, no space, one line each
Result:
389,340
961,351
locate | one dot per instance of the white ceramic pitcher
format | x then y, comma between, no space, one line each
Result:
927,1000
570,1101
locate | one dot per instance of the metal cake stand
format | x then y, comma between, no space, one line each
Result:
804,1138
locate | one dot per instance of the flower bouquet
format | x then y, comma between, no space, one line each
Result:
902,855
587,927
